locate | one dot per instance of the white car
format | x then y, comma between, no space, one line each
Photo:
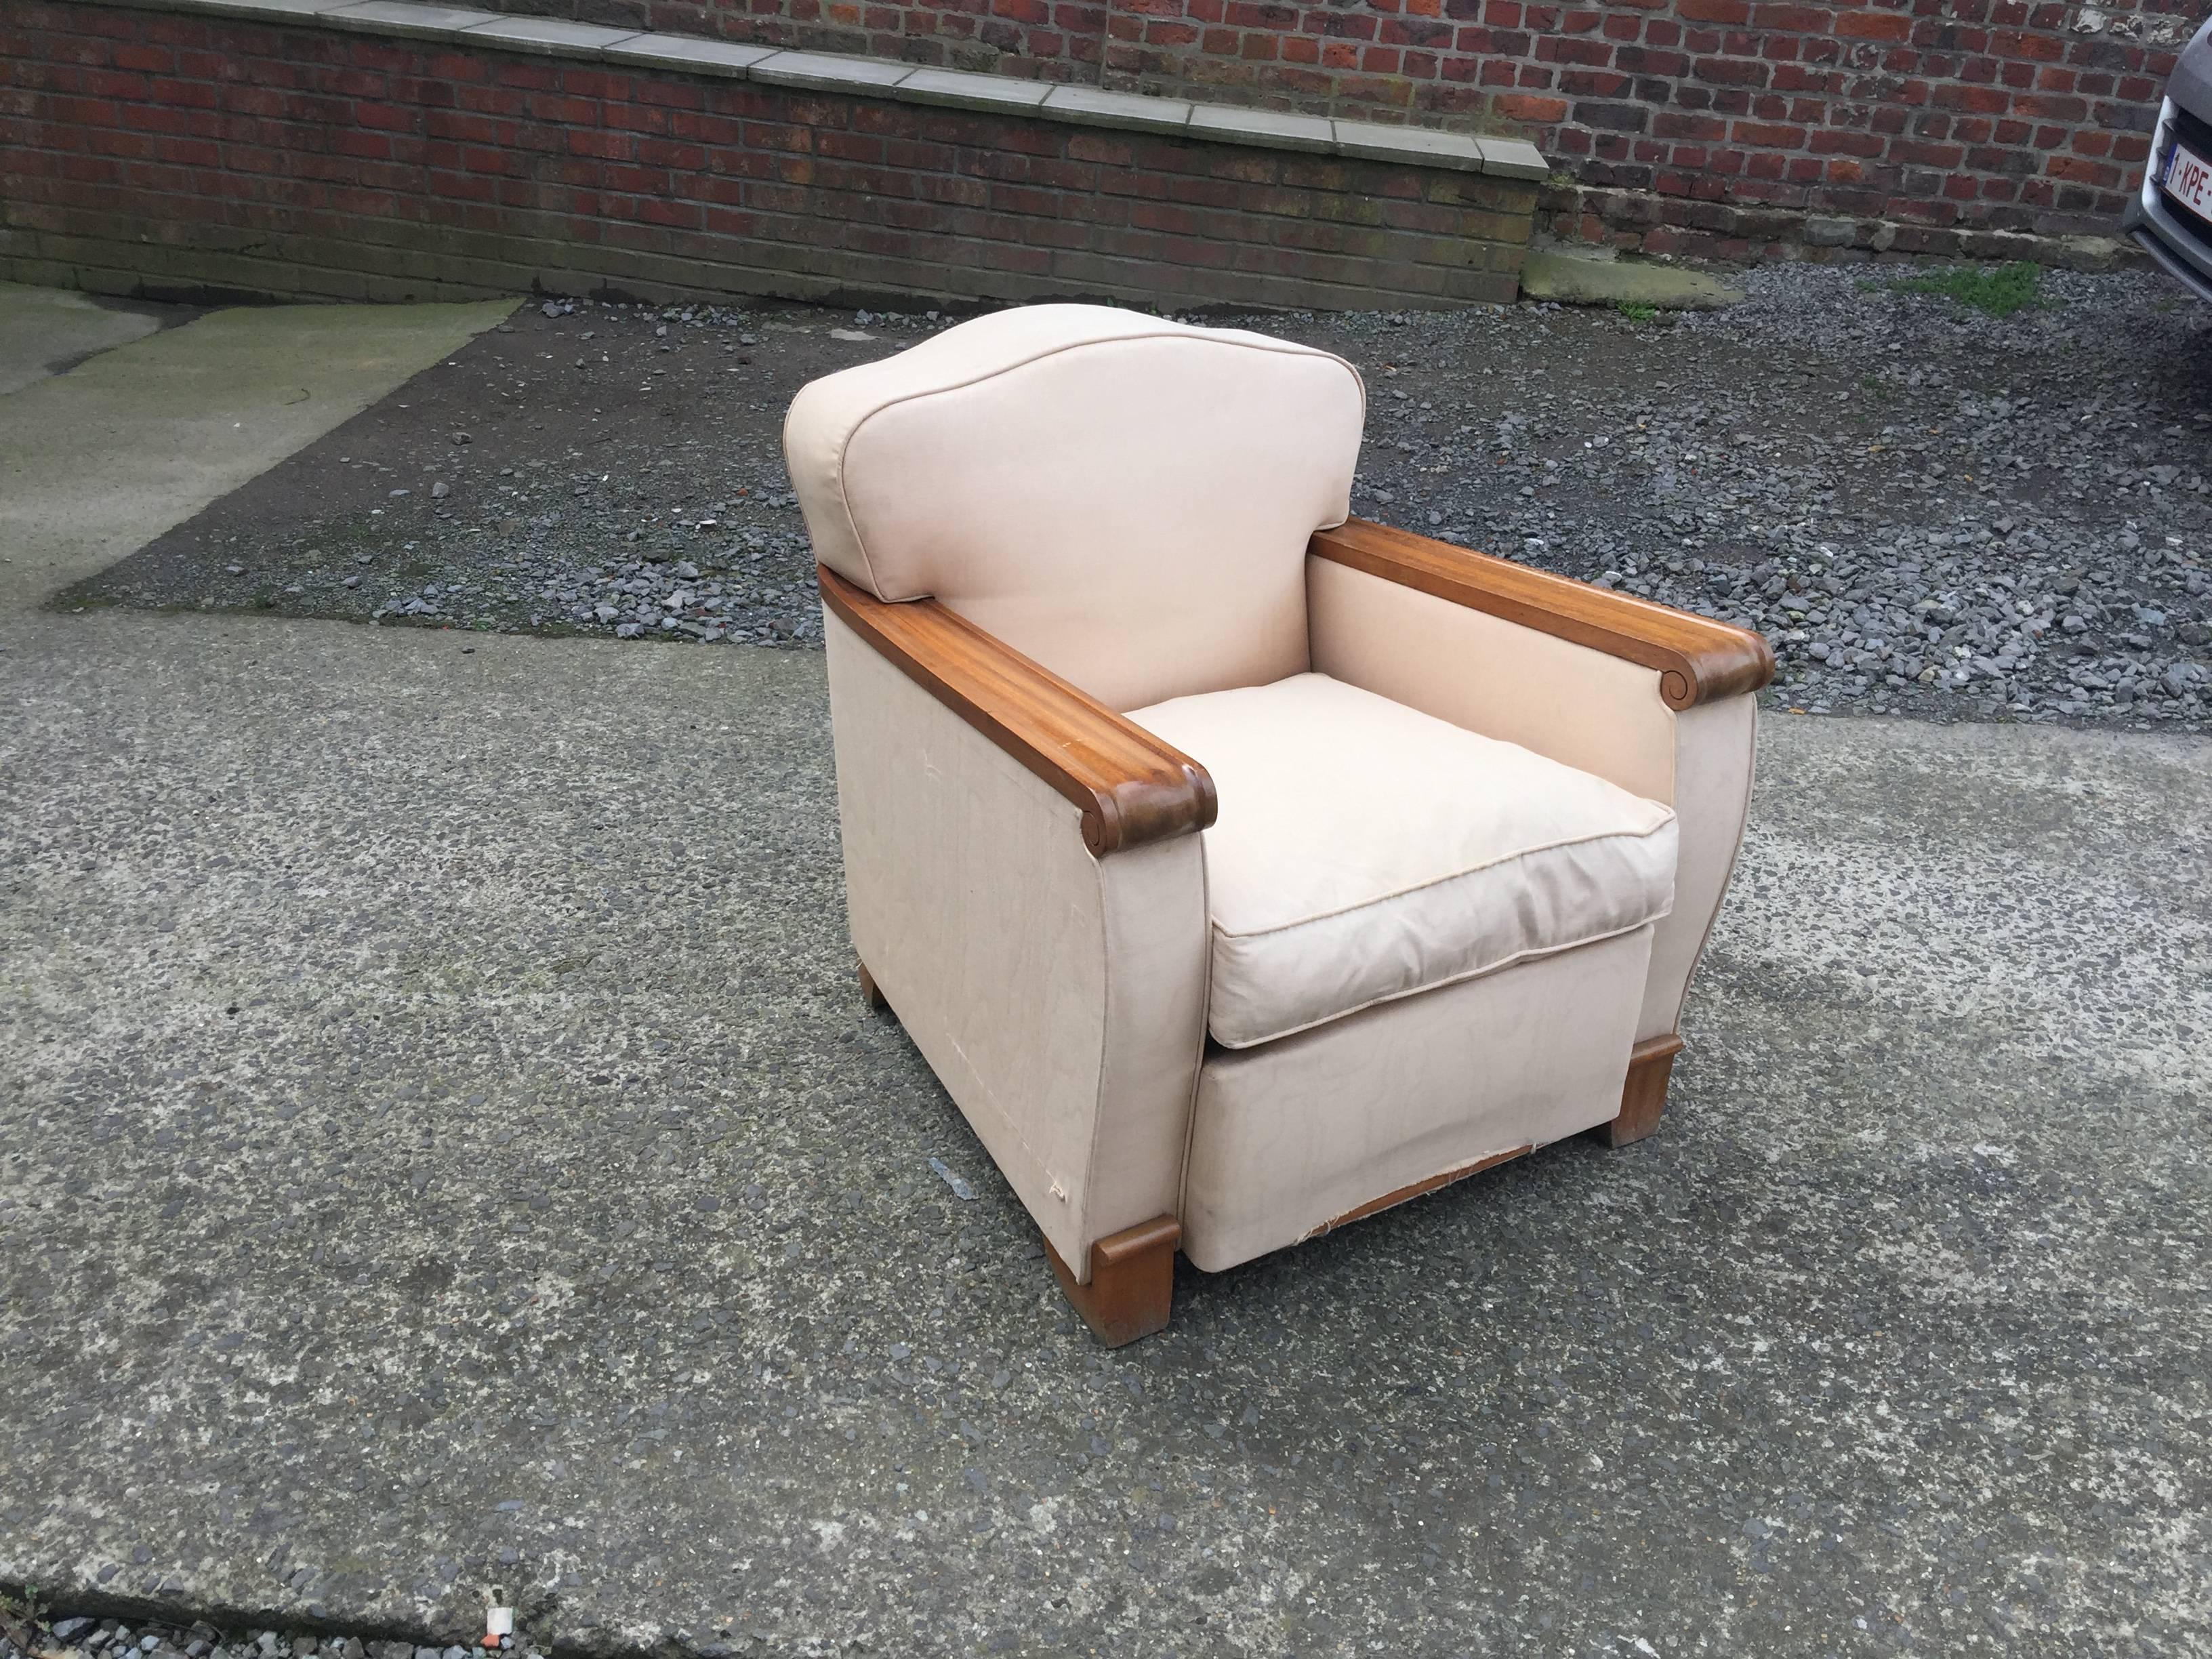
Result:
2172,214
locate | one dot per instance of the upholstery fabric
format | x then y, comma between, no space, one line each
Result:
1291,1136
1572,704
1715,744
1058,998
1566,702
1125,500
1365,851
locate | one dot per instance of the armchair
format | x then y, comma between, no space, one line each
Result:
1240,868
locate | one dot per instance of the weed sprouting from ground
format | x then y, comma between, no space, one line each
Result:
1998,290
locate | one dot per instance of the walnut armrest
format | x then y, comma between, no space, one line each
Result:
1130,787
1699,659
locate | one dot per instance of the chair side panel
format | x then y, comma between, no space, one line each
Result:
1715,745
1046,990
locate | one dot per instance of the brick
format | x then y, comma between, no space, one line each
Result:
1647,60
1872,25
1763,135
1923,153
1615,118
1593,84
2047,107
1677,124
1530,110
1732,71
1983,100
1791,18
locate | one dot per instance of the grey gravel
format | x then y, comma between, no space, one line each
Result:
1926,511
24,1635
620,473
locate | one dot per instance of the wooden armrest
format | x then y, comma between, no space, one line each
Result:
1130,787
1699,660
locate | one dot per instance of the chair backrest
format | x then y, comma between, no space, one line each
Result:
1125,500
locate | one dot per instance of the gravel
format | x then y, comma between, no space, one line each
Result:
581,470
1926,510
28,1633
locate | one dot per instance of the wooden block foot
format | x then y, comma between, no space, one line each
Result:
1132,1281
1643,1096
870,991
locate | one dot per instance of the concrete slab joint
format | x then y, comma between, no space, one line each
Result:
1510,158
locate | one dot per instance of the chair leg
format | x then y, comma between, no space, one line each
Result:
1132,1281
870,991
1643,1096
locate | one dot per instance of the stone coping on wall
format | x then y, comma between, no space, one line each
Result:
879,77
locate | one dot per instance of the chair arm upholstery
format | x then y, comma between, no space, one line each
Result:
1058,995
1129,785
1699,659
1654,700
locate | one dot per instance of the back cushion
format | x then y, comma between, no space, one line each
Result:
1127,501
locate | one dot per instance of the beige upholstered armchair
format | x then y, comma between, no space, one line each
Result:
1242,869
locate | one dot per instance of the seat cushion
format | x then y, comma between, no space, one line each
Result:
1365,851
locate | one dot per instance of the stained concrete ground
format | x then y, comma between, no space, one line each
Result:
444,1152
46,331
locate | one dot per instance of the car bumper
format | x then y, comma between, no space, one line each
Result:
2179,242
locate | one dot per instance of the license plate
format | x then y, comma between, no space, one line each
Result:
2189,180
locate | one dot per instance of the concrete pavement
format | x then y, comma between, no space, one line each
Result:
445,1153
97,461
47,330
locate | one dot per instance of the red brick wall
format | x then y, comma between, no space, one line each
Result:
159,153
1994,114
